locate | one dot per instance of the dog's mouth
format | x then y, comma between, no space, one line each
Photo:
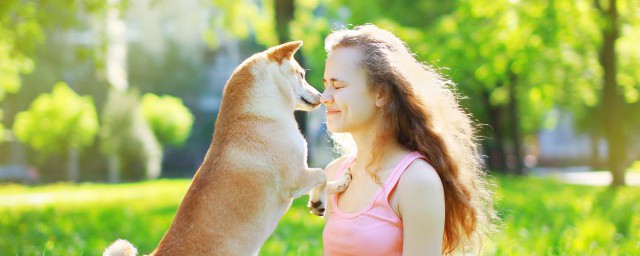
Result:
307,102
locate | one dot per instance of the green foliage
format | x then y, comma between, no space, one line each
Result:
242,18
58,121
635,167
19,33
170,120
22,26
491,46
540,217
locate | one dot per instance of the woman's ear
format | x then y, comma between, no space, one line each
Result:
380,99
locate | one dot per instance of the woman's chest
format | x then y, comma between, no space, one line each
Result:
361,194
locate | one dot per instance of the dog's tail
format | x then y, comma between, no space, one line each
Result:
120,248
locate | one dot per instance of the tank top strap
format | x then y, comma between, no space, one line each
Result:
397,172
345,165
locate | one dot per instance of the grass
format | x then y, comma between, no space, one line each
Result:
540,217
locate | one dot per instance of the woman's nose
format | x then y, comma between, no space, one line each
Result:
326,97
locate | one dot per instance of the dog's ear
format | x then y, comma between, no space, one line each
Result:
283,51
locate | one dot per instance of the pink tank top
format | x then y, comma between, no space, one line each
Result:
374,230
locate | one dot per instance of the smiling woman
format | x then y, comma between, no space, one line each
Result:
345,84
418,187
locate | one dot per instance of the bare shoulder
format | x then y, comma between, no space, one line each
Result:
421,206
420,173
420,181
333,167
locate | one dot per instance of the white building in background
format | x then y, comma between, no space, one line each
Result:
562,143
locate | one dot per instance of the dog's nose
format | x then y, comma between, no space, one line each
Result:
316,98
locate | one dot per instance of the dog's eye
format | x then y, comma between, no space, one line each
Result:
302,75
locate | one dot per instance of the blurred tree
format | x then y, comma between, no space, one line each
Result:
241,19
128,139
22,26
500,54
598,49
26,25
270,21
59,122
620,80
19,33
170,120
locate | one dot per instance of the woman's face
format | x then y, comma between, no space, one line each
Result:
351,106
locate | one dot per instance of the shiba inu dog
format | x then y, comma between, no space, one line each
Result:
255,166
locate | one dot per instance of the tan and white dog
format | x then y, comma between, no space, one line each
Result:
255,166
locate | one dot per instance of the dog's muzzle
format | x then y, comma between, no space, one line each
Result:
312,103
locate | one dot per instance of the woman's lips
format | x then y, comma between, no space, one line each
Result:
331,112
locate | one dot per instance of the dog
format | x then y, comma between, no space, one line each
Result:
255,167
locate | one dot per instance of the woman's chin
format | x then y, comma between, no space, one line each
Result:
333,128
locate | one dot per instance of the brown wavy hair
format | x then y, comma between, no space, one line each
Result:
423,114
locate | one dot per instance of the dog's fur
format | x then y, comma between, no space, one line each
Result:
255,166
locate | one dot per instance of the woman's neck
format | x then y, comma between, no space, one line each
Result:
387,152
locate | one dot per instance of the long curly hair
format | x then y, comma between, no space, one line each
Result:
422,113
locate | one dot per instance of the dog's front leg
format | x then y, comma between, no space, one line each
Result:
310,178
318,195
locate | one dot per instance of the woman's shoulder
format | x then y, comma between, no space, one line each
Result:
420,176
334,166
420,183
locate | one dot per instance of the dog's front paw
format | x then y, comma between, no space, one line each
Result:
344,182
316,207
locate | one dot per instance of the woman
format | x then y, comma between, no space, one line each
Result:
418,187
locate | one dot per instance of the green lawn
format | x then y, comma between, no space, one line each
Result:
540,217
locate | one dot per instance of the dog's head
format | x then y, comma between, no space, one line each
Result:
292,76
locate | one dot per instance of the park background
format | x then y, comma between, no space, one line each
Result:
108,107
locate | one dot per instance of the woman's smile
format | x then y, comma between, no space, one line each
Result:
332,111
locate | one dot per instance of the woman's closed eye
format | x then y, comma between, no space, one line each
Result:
338,85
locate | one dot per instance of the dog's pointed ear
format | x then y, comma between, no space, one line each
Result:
284,51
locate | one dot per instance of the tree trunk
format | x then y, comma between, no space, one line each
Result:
114,168
116,57
497,156
594,158
612,101
284,10
514,123
74,170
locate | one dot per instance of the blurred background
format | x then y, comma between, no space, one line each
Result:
113,91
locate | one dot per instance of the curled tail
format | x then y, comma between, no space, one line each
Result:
120,248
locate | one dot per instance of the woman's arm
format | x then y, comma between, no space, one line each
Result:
422,209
